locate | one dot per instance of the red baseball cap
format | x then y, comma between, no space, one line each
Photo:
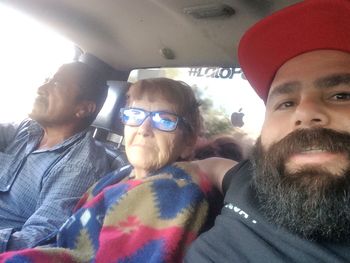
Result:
303,27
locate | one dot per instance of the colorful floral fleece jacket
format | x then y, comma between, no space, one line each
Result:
120,219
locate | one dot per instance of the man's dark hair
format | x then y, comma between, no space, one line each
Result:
92,84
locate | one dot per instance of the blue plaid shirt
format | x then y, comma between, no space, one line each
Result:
39,188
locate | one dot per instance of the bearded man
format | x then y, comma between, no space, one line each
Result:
290,202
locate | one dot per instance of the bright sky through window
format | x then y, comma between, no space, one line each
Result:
29,53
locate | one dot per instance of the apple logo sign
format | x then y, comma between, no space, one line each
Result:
237,118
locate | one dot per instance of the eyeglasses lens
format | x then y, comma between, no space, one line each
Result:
160,120
133,117
164,121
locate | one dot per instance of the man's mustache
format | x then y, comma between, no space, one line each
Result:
41,99
303,140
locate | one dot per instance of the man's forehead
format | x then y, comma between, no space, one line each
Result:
66,70
68,73
320,64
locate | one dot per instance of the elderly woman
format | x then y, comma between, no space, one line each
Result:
152,210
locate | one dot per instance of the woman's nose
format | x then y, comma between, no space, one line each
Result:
146,127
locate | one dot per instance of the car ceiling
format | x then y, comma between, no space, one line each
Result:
130,34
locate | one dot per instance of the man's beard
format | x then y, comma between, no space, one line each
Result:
311,202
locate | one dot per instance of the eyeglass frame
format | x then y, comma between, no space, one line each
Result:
150,114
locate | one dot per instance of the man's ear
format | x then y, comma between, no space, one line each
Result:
85,109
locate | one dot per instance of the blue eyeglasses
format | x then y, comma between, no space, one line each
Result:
161,120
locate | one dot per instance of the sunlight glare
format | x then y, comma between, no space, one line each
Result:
30,52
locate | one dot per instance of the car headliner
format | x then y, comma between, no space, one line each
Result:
130,34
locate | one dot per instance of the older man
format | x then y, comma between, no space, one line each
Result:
48,161
291,201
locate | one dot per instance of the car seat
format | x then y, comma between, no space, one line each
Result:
107,128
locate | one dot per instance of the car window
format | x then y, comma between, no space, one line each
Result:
29,53
222,92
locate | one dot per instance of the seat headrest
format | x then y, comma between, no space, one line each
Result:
108,118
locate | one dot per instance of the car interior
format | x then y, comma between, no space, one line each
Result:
134,39
107,127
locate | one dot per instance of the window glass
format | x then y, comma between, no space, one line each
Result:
223,93
29,54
